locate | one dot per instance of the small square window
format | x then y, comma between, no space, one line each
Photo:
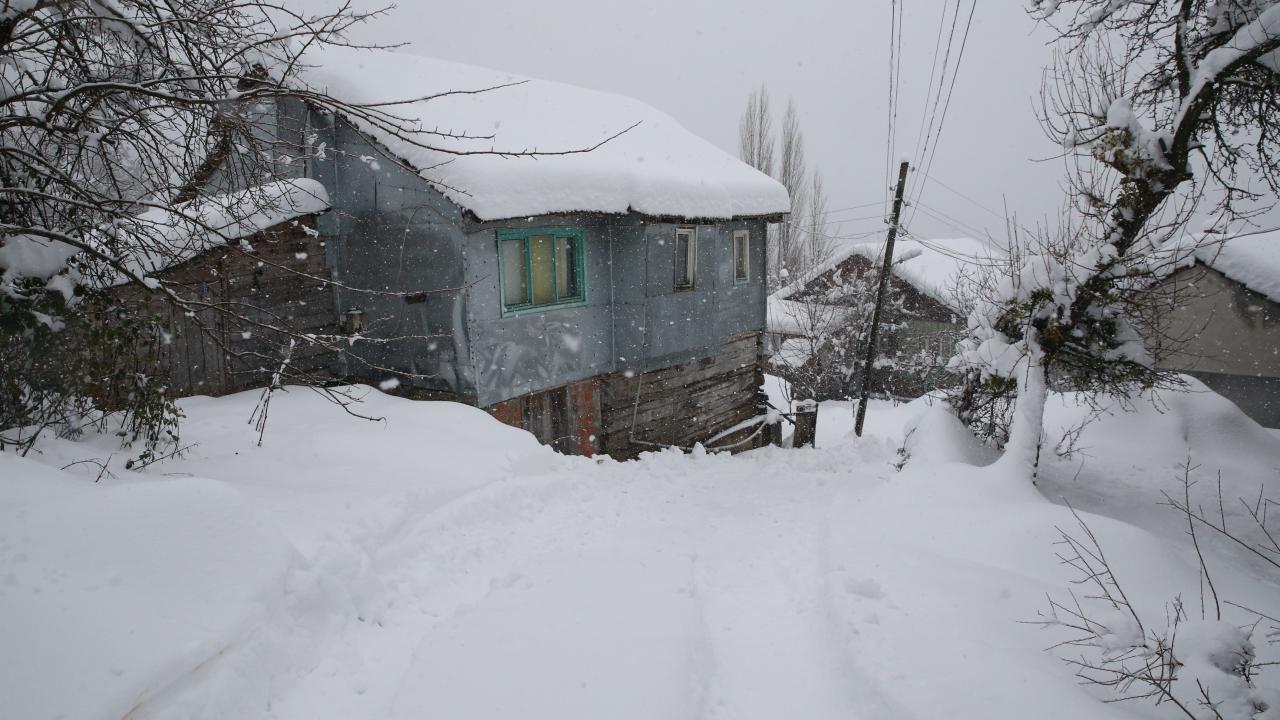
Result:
741,256
686,258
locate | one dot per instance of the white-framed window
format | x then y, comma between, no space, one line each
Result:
741,256
686,258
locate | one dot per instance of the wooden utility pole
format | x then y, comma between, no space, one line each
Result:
885,265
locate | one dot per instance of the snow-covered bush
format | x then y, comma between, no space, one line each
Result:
1054,313
1204,668
1158,104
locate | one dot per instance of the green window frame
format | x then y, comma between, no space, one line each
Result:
541,269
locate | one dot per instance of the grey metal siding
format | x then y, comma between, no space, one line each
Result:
633,318
390,231
539,349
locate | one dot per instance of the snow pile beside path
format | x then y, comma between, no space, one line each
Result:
165,589
111,591
1120,461
656,167
929,590
935,436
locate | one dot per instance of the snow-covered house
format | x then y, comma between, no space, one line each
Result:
1220,319
924,309
607,301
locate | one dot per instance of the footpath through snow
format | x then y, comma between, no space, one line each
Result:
438,564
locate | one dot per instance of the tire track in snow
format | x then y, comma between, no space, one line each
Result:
403,569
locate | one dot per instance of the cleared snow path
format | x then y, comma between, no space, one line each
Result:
441,565
672,587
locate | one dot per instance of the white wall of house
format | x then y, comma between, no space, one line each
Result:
1217,325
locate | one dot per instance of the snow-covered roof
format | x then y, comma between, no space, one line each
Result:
1249,259
656,168
169,237
930,266
159,238
791,317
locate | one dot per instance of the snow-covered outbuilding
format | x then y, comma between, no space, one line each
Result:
925,307
1219,318
606,294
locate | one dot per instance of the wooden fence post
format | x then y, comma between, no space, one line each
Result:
806,424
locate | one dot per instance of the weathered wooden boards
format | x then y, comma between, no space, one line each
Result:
232,344
624,414
682,404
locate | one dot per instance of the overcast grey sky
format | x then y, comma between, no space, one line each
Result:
697,60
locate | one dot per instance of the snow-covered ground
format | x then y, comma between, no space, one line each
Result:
439,564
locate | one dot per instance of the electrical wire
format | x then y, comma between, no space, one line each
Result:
897,9
964,43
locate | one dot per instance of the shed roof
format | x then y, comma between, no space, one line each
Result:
1251,259
161,238
168,237
931,266
656,168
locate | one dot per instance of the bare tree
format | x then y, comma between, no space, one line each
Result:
1176,99
1157,105
134,134
816,235
794,176
755,131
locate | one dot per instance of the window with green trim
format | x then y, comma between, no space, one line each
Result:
540,267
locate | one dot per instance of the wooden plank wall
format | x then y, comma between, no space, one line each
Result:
683,404
566,418
678,405
213,354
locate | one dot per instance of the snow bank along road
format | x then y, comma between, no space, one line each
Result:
440,565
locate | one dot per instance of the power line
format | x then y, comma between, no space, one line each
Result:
964,43
854,207
977,260
937,214
947,220
970,200
895,53
942,81
975,203
933,69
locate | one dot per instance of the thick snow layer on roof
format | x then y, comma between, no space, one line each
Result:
931,266
657,167
160,237
169,237
792,317
1251,260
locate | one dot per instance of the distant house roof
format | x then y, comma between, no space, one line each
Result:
656,168
932,266
1253,259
